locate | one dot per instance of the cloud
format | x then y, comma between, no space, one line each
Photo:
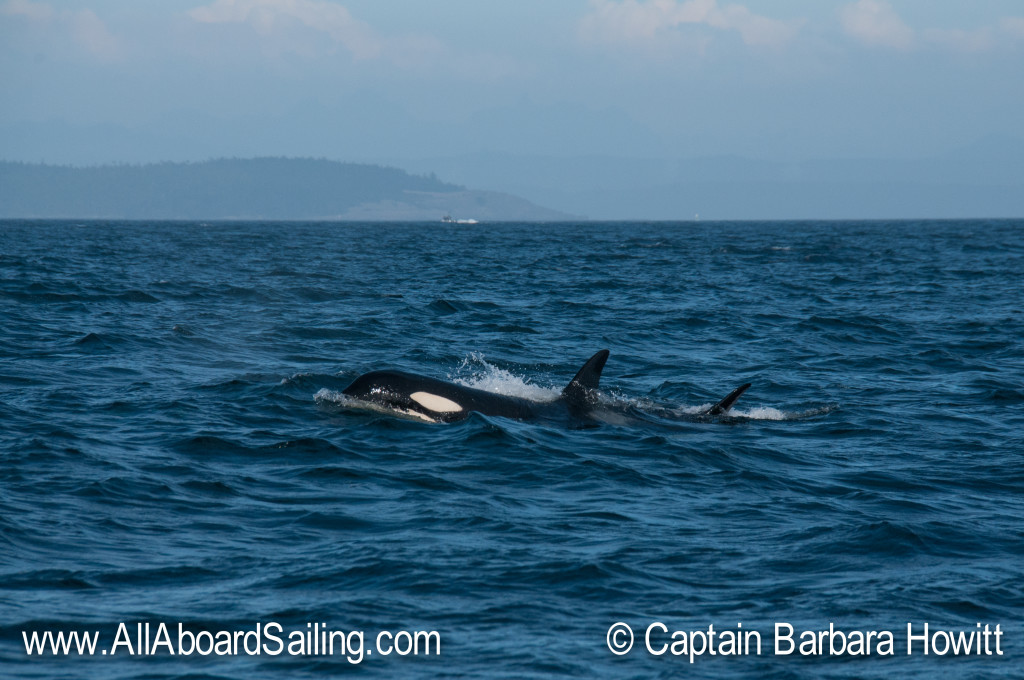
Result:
326,17
36,11
1013,26
83,26
876,23
978,40
754,29
642,21
418,53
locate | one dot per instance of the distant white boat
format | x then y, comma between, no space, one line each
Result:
450,220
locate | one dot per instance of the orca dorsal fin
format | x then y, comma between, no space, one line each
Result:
587,378
726,404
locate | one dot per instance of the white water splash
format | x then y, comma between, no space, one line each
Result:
476,372
325,395
692,410
762,413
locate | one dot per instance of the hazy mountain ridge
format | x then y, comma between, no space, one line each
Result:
985,179
258,188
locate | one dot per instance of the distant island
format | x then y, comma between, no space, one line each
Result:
257,188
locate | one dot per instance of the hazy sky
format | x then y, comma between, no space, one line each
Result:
106,80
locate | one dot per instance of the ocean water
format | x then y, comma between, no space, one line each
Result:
174,447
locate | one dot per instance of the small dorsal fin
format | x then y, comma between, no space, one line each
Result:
587,378
726,404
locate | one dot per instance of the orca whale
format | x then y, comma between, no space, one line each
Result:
440,401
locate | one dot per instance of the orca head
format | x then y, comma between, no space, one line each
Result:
405,393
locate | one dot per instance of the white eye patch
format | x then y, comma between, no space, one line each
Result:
435,403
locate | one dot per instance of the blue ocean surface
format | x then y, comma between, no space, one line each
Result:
175,447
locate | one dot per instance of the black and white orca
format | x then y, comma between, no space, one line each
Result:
440,401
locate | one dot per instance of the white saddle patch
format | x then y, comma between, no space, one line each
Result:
435,403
